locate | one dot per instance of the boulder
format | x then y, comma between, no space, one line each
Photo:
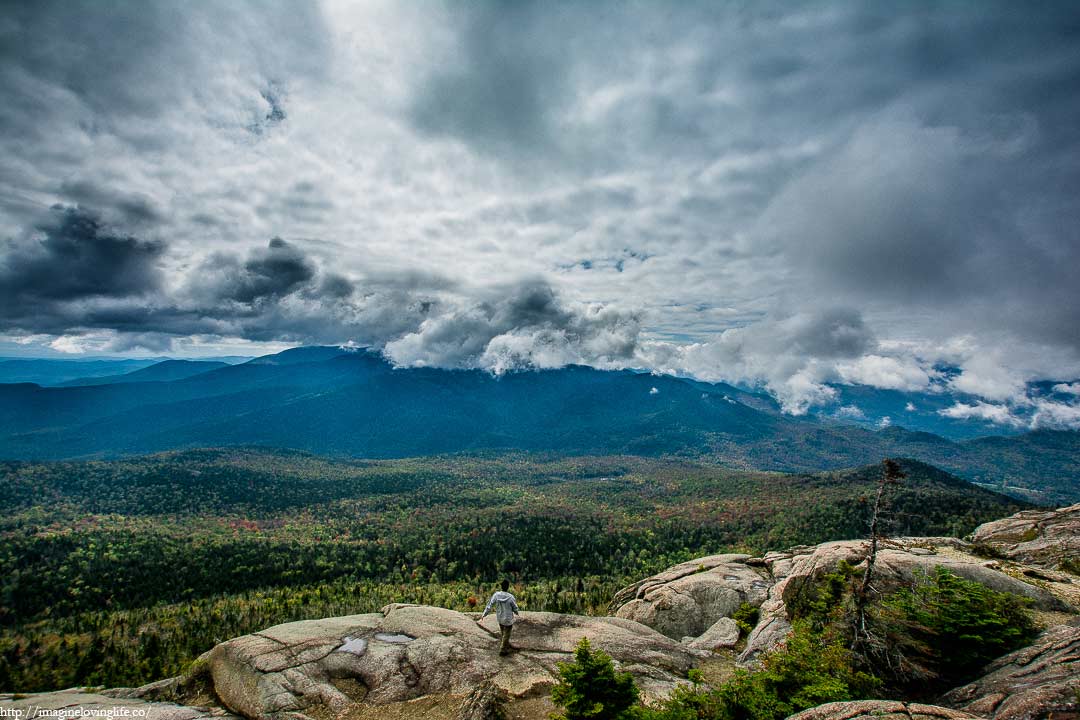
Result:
687,599
287,668
724,633
1038,537
880,710
1039,681
312,667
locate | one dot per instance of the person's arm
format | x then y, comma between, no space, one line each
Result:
488,608
513,603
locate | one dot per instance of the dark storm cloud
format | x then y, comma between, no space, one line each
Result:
270,273
83,275
935,219
77,257
832,333
698,79
335,286
74,271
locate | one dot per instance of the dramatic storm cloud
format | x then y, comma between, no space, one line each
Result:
791,195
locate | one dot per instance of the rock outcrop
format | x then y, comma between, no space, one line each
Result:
1046,538
487,701
880,710
689,598
686,600
1039,681
899,561
409,651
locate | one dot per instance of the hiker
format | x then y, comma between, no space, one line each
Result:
505,609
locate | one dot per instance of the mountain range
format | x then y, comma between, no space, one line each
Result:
354,403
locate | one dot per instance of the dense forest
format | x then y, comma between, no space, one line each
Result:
122,572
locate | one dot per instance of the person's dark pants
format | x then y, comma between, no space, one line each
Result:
504,645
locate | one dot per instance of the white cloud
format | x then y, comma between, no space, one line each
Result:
792,356
850,412
909,407
1055,415
1022,412
984,376
998,414
75,344
1067,388
800,392
888,373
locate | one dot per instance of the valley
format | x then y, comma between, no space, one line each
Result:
119,572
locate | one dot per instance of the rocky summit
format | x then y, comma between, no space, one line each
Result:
663,626
409,651
1046,538
692,596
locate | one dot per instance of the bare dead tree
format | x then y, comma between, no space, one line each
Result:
891,474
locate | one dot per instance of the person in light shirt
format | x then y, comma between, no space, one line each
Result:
505,609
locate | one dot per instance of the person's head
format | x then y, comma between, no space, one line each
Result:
505,585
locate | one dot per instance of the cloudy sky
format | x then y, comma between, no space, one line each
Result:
787,194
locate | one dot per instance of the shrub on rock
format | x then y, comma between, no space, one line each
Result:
943,629
591,689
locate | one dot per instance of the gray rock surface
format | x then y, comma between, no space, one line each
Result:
880,710
1037,537
1039,681
724,633
312,666
687,599
487,701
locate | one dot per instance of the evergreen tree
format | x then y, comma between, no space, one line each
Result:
591,689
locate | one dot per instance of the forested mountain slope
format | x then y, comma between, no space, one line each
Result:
355,404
